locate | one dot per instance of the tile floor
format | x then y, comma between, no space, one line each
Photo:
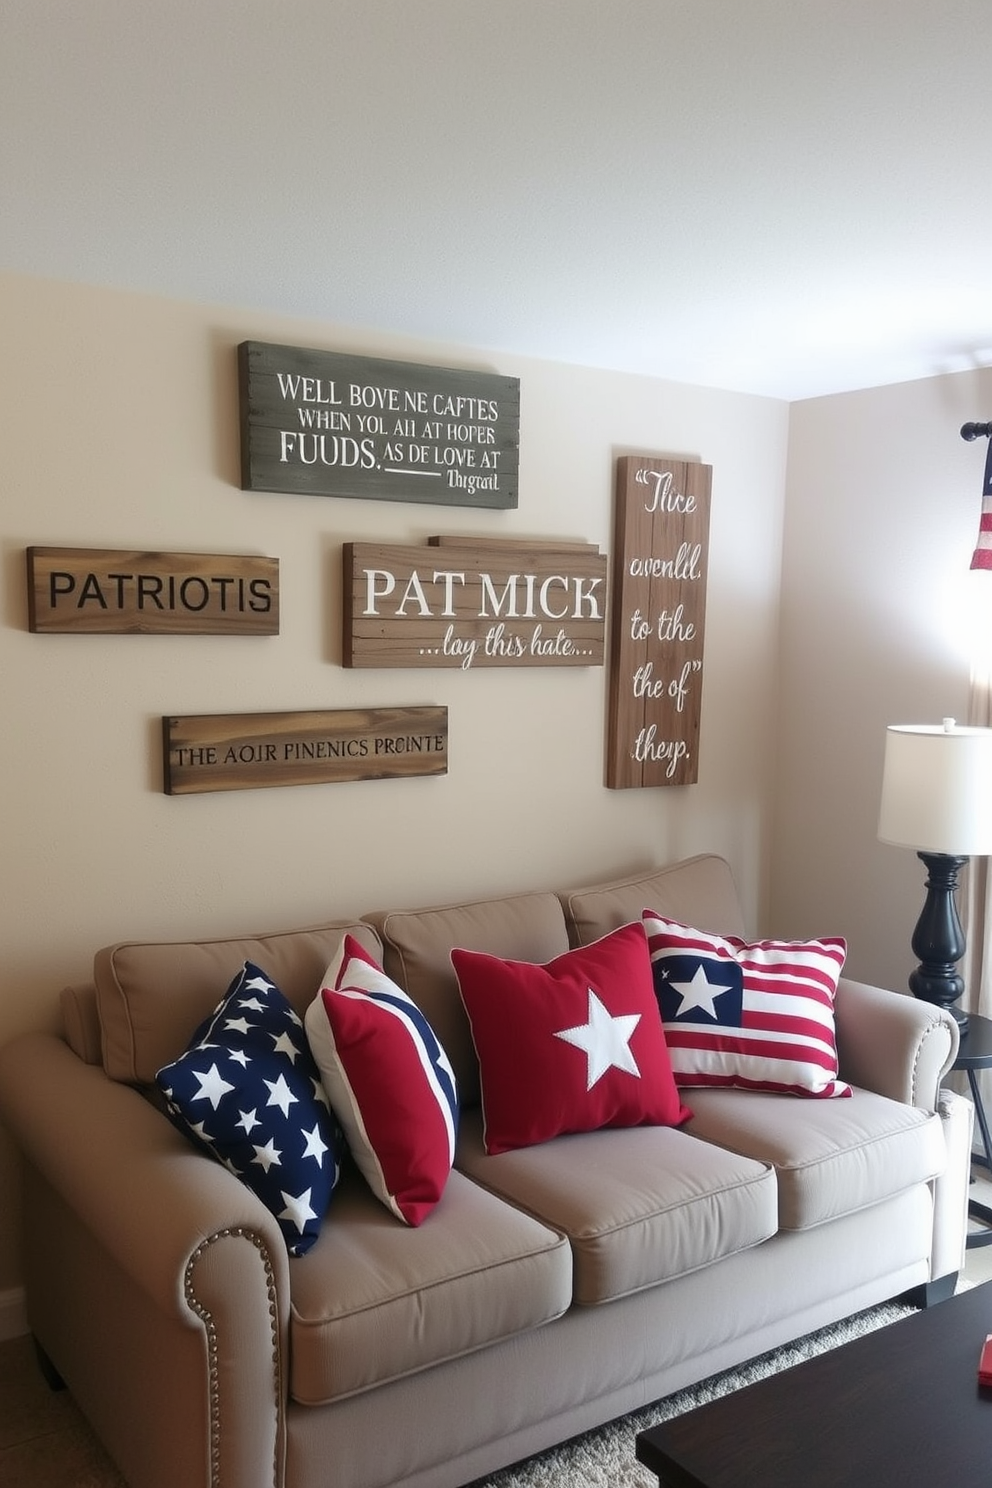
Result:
44,1440
46,1443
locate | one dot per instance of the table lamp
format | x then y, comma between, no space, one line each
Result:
937,798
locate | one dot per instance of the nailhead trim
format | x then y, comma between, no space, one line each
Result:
210,1327
927,1033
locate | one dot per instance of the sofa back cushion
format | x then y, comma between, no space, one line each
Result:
417,946
699,891
151,996
81,1022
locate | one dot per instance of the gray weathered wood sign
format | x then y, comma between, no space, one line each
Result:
320,423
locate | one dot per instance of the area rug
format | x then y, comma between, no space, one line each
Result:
605,1458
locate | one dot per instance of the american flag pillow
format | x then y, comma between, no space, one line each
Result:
248,1091
759,1016
389,1082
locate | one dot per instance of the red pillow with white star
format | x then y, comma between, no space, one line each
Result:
247,1091
759,1016
570,1046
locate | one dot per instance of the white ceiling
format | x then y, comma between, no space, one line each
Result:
787,197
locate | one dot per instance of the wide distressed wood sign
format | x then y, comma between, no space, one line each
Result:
321,423
463,602
248,751
657,621
102,591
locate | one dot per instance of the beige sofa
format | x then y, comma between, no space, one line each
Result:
550,1290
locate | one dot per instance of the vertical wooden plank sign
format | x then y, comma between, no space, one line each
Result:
661,552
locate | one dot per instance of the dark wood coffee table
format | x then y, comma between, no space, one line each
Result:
898,1408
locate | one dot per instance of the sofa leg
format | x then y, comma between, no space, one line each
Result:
50,1374
932,1291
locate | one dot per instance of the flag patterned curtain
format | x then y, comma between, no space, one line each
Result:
982,556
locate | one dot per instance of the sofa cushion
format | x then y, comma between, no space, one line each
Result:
831,1157
759,1015
639,1206
247,1091
388,1080
417,946
375,1300
569,1046
151,995
700,890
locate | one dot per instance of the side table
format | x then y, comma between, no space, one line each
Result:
975,1054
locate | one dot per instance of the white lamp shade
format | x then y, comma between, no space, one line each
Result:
937,789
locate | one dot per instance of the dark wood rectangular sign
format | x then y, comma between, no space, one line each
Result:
100,591
474,604
247,751
319,423
658,615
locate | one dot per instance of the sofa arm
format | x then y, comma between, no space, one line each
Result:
141,1189
893,1044
188,1236
950,1189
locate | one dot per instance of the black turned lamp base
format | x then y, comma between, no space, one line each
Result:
938,939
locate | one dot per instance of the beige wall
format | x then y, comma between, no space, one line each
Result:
878,622
119,415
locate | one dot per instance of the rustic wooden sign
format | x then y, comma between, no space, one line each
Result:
247,751
100,591
319,423
474,603
657,621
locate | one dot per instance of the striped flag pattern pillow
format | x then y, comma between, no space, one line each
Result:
759,1016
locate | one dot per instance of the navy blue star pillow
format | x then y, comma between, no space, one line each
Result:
248,1091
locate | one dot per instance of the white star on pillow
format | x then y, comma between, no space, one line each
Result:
605,1040
314,1145
280,1094
699,993
298,1210
213,1086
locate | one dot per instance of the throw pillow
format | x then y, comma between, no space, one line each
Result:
759,1016
389,1082
570,1046
248,1091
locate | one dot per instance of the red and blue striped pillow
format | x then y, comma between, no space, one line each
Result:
388,1080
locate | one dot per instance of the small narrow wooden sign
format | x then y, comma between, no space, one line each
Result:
248,751
472,603
657,621
319,423
101,591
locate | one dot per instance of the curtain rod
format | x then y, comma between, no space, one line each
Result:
976,431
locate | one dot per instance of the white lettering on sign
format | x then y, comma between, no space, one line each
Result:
322,423
659,593
302,389
523,596
465,602
323,449
671,752
684,566
662,498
